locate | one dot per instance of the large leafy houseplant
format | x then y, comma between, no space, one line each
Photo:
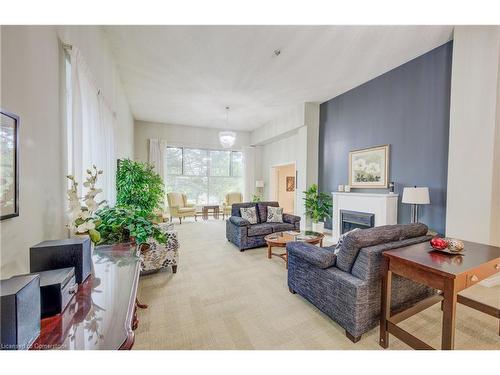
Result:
138,185
126,223
318,205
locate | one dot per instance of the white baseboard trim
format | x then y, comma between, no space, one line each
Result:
491,281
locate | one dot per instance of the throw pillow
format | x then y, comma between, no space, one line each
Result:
249,213
341,239
274,214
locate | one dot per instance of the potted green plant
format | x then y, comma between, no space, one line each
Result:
138,185
318,207
121,224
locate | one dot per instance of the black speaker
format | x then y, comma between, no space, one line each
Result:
71,252
20,312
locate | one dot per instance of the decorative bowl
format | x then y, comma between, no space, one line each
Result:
439,243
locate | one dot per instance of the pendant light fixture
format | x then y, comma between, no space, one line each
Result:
227,138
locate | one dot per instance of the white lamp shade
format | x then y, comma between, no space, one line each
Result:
416,195
259,184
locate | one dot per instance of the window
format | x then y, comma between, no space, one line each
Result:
206,176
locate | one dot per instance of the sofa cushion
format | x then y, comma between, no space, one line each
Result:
262,209
274,214
364,238
235,207
341,239
413,230
261,229
280,227
239,221
322,257
250,214
292,219
186,209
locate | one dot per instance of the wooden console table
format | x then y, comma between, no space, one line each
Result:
448,273
102,314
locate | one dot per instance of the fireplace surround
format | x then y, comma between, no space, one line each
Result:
383,207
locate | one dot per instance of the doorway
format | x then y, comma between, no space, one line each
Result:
283,185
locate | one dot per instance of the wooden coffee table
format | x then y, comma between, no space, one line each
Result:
280,239
448,273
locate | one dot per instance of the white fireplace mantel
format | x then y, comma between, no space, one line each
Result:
383,206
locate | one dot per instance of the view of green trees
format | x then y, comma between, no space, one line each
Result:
204,175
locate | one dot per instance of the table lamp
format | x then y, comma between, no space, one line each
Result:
415,196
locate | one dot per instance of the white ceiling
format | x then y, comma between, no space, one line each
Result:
187,75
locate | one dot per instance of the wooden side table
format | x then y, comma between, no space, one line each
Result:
210,209
448,273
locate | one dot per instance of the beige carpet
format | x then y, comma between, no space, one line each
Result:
221,298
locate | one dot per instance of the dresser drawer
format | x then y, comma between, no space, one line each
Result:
486,270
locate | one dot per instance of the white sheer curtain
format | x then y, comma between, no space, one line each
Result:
157,156
92,129
249,155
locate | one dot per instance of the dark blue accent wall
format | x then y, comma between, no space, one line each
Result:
408,108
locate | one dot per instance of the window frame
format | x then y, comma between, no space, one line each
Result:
208,174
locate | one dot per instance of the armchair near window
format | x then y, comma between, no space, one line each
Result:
178,206
229,200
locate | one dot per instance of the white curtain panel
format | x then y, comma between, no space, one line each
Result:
106,152
249,154
157,156
93,129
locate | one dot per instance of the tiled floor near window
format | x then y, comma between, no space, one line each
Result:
223,299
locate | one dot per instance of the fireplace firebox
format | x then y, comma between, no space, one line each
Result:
354,219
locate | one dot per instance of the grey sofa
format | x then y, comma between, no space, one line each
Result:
347,286
245,235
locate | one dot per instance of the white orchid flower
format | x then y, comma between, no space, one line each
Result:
82,228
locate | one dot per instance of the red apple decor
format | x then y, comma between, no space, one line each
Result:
439,243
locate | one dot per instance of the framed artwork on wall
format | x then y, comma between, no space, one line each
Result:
290,183
369,167
9,165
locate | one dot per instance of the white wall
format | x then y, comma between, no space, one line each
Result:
289,149
179,135
290,138
31,80
473,203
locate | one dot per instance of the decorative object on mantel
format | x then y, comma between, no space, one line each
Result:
227,138
415,196
81,217
341,188
9,172
391,187
318,207
369,167
347,188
